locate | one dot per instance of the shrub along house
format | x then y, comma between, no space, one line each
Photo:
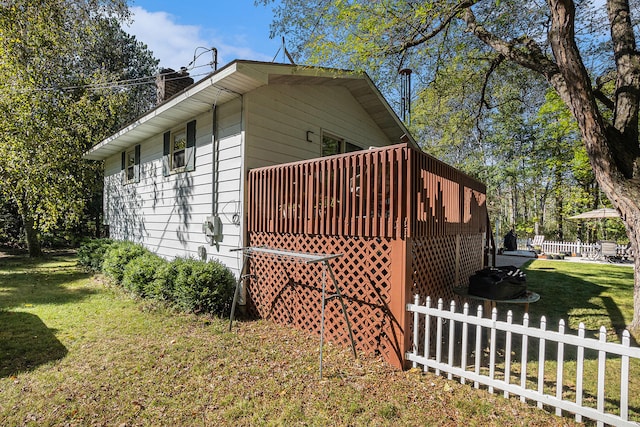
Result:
304,159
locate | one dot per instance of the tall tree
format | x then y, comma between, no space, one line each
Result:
486,128
57,59
558,146
556,39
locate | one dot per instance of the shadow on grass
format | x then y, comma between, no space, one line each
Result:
25,340
592,299
25,281
26,343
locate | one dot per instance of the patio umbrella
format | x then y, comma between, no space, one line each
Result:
597,214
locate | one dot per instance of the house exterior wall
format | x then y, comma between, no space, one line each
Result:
267,126
165,214
279,116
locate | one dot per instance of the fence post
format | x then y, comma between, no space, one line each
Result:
560,366
478,354
624,376
439,335
465,336
541,359
507,353
427,333
523,360
492,346
602,358
579,369
416,322
452,330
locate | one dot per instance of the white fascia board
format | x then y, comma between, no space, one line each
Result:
182,106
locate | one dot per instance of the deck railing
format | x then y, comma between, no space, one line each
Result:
393,192
404,222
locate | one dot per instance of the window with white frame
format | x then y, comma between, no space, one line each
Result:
178,149
179,152
131,165
332,145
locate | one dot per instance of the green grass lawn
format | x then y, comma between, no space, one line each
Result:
74,351
595,295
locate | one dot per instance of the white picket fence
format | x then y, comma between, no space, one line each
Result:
585,250
457,353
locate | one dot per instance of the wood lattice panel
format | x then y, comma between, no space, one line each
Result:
434,266
290,292
440,264
471,256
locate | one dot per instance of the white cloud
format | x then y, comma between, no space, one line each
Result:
172,43
175,44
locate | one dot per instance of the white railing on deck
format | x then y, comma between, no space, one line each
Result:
454,336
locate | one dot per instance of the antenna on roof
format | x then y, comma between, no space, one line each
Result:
285,53
405,95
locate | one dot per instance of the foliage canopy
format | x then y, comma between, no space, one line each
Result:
57,62
584,50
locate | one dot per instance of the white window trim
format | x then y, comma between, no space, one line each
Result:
182,130
341,140
130,156
169,149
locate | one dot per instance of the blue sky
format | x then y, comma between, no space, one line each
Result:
174,29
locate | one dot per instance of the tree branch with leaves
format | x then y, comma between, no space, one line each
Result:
551,39
52,53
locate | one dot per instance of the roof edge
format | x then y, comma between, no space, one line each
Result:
259,72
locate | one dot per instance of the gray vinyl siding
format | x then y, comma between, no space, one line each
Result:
165,214
229,204
279,116
265,127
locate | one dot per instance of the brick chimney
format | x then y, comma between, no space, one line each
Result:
170,82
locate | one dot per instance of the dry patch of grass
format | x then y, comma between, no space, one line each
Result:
110,360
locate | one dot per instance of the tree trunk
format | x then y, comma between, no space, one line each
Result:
98,231
606,145
625,196
30,232
514,204
613,149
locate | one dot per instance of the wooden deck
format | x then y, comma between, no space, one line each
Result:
393,192
406,223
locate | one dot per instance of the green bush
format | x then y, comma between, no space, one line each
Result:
141,271
161,287
117,256
203,287
192,285
91,253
